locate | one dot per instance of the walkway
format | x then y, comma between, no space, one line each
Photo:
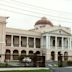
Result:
22,68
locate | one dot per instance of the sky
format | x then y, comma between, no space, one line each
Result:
24,13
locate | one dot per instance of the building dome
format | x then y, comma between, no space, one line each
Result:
43,21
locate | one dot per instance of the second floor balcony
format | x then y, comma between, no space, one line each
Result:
21,41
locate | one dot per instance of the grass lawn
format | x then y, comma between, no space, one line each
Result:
28,71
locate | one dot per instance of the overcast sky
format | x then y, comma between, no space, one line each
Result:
24,13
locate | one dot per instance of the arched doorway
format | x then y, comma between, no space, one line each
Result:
65,56
15,55
53,55
23,52
38,53
30,52
59,56
59,52
7,54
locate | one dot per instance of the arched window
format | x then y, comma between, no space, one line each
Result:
65,56
59,56
15,55
38,53
7,54
59,53
52,55
30,52
23,52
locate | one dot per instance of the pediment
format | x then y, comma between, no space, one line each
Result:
60,31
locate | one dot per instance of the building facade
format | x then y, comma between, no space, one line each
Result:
45,39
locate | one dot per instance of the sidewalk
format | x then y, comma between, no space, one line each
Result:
22,68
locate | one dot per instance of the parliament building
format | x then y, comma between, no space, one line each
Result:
45,39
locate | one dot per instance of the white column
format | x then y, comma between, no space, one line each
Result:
19,41
2,58
34,42
19,52
62,43
11,55
27,52
27,43
55,42
68,43
56,56
42,42
47,42
11,40
47,56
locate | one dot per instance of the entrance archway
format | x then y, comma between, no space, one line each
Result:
38,53
30,52
65,56
53,55
15,55
7,54
59,54
23,52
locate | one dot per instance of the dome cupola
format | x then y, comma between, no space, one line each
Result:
43,22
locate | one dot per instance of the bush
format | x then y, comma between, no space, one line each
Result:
69,63
60,63
21,58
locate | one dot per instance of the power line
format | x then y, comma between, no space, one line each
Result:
33,11
30,15
19,13
38,6
34,6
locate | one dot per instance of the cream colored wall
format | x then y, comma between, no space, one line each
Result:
19,48
22,32
23,48
2,36
48,53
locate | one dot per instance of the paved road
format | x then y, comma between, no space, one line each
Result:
63,69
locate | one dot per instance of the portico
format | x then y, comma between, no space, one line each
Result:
55,43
